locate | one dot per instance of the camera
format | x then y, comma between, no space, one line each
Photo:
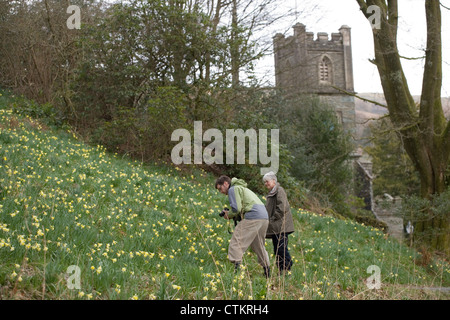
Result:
225,210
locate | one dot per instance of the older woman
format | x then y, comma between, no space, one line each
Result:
280,221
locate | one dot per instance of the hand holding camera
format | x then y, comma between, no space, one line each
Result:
224,212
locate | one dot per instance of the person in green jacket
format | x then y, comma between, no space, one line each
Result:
251,230
281,223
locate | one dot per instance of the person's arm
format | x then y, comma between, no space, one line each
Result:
280,209
235,198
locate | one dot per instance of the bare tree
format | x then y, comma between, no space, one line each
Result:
38,51
424,131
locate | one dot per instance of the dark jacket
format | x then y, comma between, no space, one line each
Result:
280,216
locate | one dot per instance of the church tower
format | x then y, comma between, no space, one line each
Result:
304,65
308,65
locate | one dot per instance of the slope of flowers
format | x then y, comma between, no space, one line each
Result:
79,223
64,203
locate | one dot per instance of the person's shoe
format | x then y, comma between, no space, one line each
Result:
267,272
237,266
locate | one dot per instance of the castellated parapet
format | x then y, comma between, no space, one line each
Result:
305,64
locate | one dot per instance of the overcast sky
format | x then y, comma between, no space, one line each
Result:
330,15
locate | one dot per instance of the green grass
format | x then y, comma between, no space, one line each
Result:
153,232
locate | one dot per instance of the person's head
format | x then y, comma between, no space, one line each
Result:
270,180
223,183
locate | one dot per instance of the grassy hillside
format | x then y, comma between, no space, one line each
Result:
135,231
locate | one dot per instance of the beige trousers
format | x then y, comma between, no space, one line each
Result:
249,233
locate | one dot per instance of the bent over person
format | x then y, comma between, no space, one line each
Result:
251,230
281,223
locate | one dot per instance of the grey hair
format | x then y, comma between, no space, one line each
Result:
270,176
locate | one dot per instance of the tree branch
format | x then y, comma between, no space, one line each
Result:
374,119
359,97
446,141
393,16
417,58
50,25
432,80
363,6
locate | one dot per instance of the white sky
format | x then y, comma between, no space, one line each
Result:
330,15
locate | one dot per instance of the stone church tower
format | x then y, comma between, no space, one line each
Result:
304,65
307,65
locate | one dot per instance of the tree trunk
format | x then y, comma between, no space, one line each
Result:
215,22
235,58
425,134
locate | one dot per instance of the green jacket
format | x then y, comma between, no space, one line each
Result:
245,202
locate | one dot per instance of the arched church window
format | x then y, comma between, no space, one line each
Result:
325,70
